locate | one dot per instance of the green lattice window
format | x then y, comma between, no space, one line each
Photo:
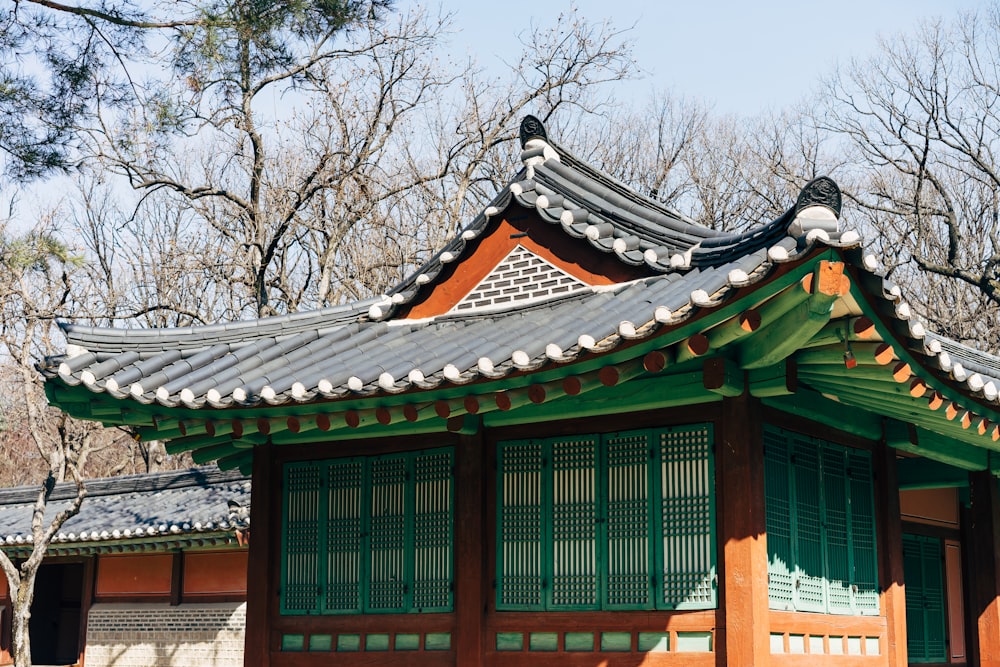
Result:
820,526
923,571
368,534
617,521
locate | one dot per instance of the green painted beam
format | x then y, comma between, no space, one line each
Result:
638,395
811,405
835,332
723,376
773,343
833,355
237,460
968,446
920,473
778,380
213,452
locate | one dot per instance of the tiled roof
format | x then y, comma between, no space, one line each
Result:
181,505
361,350
694,281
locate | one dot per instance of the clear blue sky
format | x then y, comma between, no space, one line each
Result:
745,56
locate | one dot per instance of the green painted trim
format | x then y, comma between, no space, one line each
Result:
901,409
638,395
815,407
921,473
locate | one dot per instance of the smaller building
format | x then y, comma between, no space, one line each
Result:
150,572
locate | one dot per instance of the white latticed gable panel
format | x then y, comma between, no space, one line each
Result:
520,277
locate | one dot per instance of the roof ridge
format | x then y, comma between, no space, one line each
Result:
109,486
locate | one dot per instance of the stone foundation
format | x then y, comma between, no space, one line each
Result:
158,635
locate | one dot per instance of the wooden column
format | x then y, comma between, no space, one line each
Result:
743,610
985,547
470,555
260,577
889,529
86,602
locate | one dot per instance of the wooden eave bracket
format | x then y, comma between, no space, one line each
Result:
794,329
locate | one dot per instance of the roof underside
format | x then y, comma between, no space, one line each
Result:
766,305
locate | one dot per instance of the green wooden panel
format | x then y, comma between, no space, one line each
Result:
620,521
863,537
807,536
520,524
573,522
616,642
687,495
543,641
778,518
293,643
630,554
301,539
349,643
654,642
344,535
369,535
839,564
821,526
510,641
694,642
407,642
925,610
388,533
377,642
320,643
432,532
437,641
581,642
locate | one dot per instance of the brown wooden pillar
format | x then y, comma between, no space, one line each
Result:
985,589
470,579
743,610
260,579
890,550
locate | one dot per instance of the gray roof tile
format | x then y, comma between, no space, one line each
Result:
186,503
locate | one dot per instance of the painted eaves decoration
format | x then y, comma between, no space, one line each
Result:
791,311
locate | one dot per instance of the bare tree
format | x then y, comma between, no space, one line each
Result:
34,287
923,119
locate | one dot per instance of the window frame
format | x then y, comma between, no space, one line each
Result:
655,447
808,480
429,524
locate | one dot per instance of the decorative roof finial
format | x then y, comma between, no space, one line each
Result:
532,128
822,191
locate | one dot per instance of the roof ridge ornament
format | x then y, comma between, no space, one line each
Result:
820,191
817,209
532,128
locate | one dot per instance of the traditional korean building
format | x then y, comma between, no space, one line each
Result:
590,431
150,573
